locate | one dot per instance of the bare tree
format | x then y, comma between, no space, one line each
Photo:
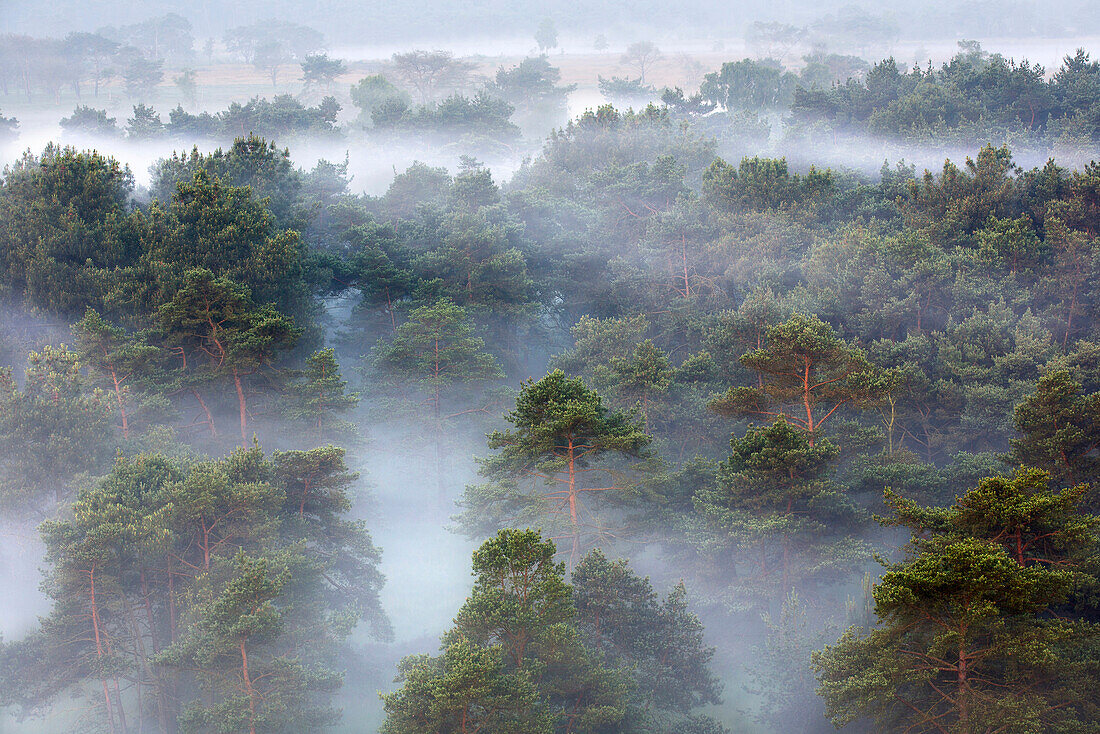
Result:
428,72
642,55
773,40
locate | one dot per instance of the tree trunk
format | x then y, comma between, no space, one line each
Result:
248,689
573,503
99,645
206,410
241,406
121,405
806,403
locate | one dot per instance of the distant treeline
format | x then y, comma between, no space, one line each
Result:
974,95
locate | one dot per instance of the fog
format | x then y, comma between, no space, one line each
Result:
641,195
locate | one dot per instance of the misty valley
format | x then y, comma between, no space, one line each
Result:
587,368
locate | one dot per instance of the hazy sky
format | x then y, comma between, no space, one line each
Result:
354,21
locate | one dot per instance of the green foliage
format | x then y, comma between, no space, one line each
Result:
804,366
437,347
749,84
1058,430
54,429
622,616
524,656
625,91
546,36
318,70
88,121
564,441
479,117
775,514
762,184
973,93
376,92
436,353
965,635
250,161
319,396
145,124
123,365
225,586
780,672
468,686
8,128
214,324
533,87
66,227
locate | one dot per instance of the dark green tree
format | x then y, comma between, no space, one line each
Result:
145,124
776,516
215,322
966,639
1058,429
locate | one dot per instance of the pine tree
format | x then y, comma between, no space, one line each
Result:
231,646
780,670
775,515
804,367
215,322
967,639
524,657
52,430
320,395
120,360
1059,429
317,488
436,350
468,688
563,441
620,615
642,380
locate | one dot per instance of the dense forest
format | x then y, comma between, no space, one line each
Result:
739,441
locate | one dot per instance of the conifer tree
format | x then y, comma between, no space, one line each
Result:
967,639
776,516
436,350
52,430
231,646
804,368
1059,429
319,396
215,322
120,360
564,445
620,615
530,653
317,489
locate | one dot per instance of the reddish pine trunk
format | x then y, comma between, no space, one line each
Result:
683,252
962,695
302,501
573,503
806,403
